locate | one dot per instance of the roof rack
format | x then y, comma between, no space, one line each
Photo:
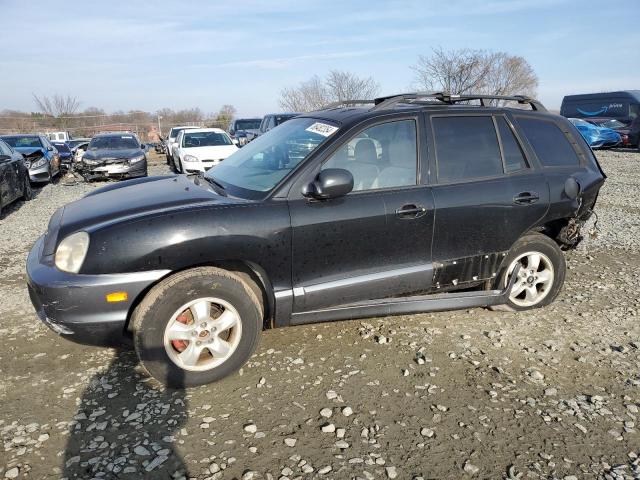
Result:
347,103
383,103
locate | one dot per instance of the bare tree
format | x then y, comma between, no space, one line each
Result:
225,116
475,71
58,105
316,92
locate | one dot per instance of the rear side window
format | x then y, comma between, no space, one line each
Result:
513,157
466,148
549,142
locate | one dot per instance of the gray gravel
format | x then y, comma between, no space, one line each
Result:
551,393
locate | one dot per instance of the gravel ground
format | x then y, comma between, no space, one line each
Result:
551,393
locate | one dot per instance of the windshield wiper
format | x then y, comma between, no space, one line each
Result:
218,187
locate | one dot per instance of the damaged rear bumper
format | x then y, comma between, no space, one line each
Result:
75,306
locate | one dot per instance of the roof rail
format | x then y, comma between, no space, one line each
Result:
346,103
383,103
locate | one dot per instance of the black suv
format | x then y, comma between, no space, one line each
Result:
412,203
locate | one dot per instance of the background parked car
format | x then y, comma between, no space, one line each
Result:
65,154
14,176
597,137
630,133
40,156
171,141
79,149
200,149
244,129
114,155
59,136
623,106
73,144
272,120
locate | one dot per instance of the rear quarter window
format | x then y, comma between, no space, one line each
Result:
549,142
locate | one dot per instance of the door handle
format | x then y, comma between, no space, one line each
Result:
411,211
526,198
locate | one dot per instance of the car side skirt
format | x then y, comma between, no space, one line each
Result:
405,305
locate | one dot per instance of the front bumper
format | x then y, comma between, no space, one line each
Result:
200,166
74,305
122,169
40,174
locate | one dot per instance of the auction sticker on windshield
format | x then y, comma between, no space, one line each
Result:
323,129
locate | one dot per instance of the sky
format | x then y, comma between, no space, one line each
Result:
147,55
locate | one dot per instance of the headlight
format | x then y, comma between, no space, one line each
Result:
71,252
190,158
88,161
39,163
136,159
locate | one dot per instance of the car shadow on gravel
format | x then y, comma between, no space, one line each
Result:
126,426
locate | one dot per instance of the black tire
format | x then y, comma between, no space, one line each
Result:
177,165
168,159
536,243
27,191
153,314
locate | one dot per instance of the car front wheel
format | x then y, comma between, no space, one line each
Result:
541,274
197,326
27,191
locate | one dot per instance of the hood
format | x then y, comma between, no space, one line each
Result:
128,200
218,152
28,151
108,155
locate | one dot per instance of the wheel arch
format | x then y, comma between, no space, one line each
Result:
251,271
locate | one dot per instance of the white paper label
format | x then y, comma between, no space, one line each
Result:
323,129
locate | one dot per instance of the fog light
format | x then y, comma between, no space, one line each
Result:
117,297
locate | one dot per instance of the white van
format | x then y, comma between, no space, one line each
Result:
59,136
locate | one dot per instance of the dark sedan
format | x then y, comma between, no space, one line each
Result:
114,155
14,176
65,154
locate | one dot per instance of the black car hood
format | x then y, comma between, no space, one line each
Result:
130,200
107,155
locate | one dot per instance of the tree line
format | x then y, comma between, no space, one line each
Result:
459,71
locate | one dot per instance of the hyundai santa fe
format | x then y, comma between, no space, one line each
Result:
409,203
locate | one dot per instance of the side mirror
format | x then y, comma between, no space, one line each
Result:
572,188
330,183
235,141
49,149
143,146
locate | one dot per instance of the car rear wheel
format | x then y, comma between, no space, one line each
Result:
197,326
541,274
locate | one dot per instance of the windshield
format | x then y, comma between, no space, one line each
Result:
259,166
176,130
23,142
610,123
61,147
75,143
583,123
205,139
114,142
253,124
